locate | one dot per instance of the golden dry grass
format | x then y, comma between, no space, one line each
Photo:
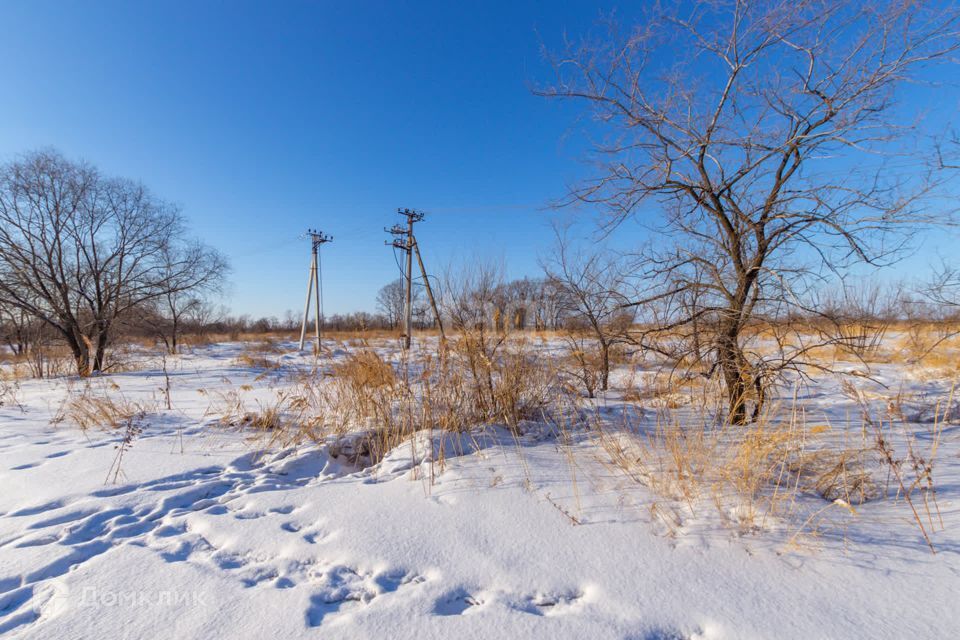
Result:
758,475
97,407
260,354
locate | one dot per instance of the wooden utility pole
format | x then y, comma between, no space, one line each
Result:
405,240
314,287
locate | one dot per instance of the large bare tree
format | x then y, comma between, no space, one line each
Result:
769,136
78,250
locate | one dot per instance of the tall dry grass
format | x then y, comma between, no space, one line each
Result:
367,406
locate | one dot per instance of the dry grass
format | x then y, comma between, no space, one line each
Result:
365,371
458,388
57,361
53,361
98,407
366,406
775,472
260,355
287,417
661,390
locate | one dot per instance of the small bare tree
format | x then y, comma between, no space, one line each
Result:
18,330
192,272
391,301
756,128
594,300
470,299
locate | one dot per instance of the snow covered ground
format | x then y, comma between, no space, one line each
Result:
205,535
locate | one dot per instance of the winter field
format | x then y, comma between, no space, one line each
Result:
242,490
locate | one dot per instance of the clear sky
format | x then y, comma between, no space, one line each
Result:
264,118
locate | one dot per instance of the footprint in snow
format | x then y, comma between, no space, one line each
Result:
258,576
315,536
110,492
13,612
543,604
455,603
37,542
248,515
284,510
342,587
23,607
229,561
659,633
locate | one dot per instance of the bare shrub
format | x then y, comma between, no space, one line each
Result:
9,392
861,314
582,364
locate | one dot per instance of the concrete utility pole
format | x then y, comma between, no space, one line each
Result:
406,241
317,238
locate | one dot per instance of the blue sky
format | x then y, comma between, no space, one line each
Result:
262,119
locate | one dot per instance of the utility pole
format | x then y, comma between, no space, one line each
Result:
405,240
317,238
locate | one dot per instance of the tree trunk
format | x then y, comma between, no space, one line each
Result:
604,364
103,336
81,353
761,397
736,405
175,328
730,365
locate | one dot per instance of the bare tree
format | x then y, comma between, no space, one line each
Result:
192,272
79,250
550,305
594,299
391,301
756,128
943,289
471,298
207,316
18,330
